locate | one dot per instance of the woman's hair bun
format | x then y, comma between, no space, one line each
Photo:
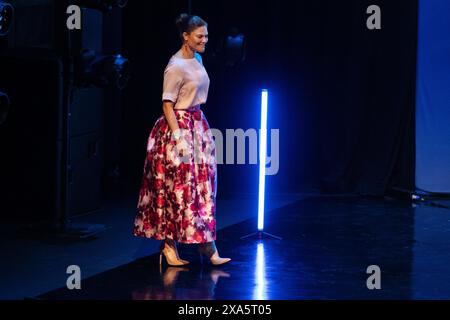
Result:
187,23
182,21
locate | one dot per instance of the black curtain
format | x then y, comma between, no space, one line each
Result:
367,136
341,95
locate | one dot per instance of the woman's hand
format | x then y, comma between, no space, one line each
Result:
181,144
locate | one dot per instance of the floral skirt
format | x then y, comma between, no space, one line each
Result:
177,198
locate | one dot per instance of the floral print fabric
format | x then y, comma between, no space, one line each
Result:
177,198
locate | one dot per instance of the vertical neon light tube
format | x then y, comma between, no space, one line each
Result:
262,158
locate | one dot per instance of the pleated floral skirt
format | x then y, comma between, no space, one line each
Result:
177,198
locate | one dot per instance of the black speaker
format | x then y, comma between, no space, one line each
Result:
29,157
85,151
33,25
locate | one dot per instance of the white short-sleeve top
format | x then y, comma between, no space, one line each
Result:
186,82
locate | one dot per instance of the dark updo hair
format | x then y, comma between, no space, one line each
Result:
187,23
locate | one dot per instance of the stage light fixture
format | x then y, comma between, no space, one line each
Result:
262,159
260,234
92,69
6,16
234,47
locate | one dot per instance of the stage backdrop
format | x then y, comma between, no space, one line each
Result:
433,97
341,95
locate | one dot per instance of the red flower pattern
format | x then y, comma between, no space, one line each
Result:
177,199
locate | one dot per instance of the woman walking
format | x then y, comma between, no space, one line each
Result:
177,199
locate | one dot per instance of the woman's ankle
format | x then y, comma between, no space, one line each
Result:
170,243
208,248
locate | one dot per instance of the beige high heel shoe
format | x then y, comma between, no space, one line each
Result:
178,257
171,256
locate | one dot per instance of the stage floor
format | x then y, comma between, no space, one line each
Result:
328,242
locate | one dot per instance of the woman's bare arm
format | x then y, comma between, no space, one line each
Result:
170,115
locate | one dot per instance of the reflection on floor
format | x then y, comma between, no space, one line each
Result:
328,244
36,261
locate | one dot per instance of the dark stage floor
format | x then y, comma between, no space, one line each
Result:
328,243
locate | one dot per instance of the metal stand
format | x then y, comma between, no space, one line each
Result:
260,235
